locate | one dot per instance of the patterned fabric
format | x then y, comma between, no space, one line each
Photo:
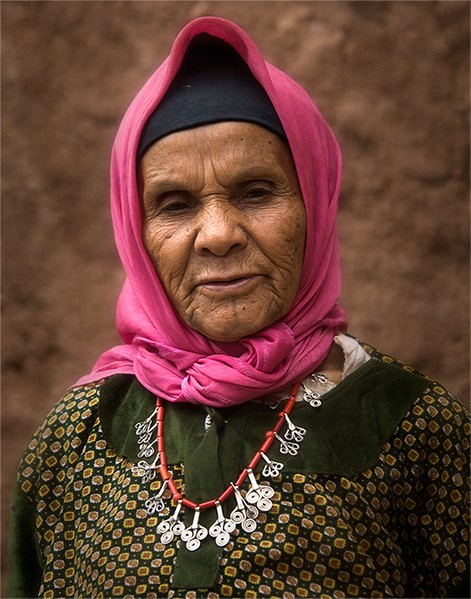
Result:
397,529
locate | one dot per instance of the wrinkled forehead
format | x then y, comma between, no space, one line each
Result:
228,153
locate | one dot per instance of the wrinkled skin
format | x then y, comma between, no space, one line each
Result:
224,224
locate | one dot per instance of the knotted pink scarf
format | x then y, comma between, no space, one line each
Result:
174,361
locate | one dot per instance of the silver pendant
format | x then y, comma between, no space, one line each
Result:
146,450
171,527
321,383
222,528
156,503
311,397
294,433
243,514
195,533
147,425
271,467
259,495
144,432
147,471
287,446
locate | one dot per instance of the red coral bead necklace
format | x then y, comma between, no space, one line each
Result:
257,497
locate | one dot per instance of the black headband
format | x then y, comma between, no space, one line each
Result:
202,94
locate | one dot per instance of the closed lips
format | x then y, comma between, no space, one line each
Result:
227,281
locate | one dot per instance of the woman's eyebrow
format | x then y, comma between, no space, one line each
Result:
257,171
161,182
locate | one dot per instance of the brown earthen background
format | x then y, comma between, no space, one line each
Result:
392,80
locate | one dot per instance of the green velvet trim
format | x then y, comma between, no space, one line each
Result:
344,437
197,569
24,568
123,403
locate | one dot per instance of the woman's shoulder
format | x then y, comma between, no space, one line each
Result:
432,390
388,359
59,440
432,405
71,414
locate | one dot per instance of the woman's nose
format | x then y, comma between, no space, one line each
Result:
220,229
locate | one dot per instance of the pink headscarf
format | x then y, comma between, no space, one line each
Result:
167,357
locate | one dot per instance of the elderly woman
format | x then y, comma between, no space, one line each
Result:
238,443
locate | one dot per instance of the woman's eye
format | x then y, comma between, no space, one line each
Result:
173,204
257,192
174,207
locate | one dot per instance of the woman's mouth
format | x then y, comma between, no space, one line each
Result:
238,283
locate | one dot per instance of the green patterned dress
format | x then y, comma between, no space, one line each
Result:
373,505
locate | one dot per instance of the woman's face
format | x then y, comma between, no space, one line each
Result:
225,225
